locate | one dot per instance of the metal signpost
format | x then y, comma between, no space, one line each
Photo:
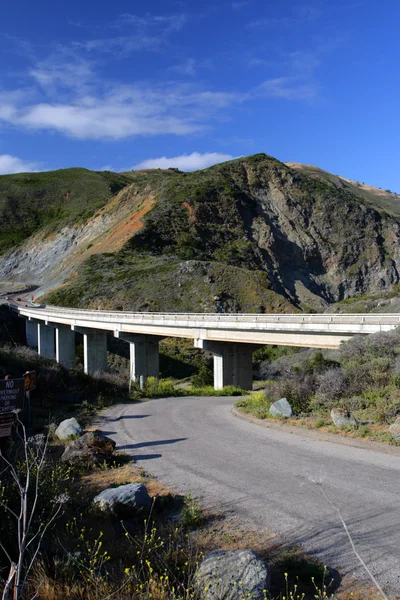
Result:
12,392
30,384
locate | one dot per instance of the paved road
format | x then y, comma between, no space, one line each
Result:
197,445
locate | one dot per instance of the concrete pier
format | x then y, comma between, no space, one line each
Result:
233,363
94,349
65,346
46,345
144,354
31,331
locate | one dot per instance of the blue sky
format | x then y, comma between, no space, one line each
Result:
125,84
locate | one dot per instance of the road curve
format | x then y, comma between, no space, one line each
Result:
266,475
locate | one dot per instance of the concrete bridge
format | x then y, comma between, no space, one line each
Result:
232,338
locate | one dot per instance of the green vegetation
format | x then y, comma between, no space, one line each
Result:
165,388
384,201
382,302
137,282
191,516
31,202
362,377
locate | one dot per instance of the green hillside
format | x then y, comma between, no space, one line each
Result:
382,200
50,200
283,240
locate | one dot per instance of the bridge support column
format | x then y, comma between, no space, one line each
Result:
144,354
46,346
94,349
233,363
31,330
65,346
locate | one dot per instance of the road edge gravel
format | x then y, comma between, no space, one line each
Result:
319,435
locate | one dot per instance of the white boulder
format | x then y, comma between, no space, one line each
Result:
67,428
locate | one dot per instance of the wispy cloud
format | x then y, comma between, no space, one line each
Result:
185,68
288,88
303,62
167,23
124,111
185,162
239,5
121,112
298,15
63,72
136,33
121,45
13,164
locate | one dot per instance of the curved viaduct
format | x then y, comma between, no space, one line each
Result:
231,338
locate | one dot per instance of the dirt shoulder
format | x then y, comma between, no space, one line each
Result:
319,435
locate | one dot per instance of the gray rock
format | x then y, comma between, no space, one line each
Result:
232,575
341,416
123,499
67,428
394,429
281,408
92,448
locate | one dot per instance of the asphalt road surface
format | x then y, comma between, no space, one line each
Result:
267,476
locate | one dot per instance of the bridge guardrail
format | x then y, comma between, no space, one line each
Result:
196,319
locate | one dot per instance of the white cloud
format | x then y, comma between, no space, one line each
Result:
121,112
184,162
12,164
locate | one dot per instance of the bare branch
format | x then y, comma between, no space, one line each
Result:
337,509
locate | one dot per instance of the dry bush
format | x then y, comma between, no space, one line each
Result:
332,385
296,387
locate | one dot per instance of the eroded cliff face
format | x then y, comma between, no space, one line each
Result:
316,241
262,224
48,260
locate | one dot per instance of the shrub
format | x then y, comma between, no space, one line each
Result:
160,388
191,516
358,376
318,363
257,404
205,376
331,387
296,387
228,390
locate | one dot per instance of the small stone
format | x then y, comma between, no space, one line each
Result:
394,429
123,499
281,408
341,417
68,428
232,575
92,448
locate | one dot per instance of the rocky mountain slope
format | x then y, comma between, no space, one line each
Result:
252,234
